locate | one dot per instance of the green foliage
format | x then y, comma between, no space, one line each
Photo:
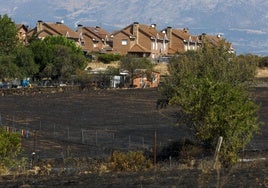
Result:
57,57
263,62
108,58
131,63
211,88
8,35
9,44
10,148
43,55
53,41
83,77
112,71
129,162
25,61
8,69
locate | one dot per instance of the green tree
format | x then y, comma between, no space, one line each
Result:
10,148
8,35
57,57
43,57
212,92
8,69
131,63
25,62
62,62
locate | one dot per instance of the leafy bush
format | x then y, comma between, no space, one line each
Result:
263,62
10,148
211,88
182,150
108,58
131,161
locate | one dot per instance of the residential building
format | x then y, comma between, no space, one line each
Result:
141,40
44,29
95,39
216,40
22,33
180,40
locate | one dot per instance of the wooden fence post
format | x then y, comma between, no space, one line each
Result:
216,166
217,151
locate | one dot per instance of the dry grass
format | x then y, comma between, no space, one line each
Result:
100,65
262,73
163,69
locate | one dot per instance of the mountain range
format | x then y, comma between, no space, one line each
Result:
244,23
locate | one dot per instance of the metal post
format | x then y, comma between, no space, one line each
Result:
34,144
54,130
68,133
96,138
129,140
243,152
155,149
82,134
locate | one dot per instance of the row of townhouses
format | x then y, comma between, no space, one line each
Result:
137,39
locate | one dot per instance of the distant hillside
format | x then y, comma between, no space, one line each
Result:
242,22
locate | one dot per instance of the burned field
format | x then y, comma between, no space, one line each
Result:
92,124
123,118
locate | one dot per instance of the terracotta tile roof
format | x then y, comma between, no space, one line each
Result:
96,33
216,40
139,48
18,26
172,51
181,34
185,35
61,29
148,30
44,29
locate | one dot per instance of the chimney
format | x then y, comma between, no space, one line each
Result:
153,26
39,26
185,30
169,35
79,28
136,30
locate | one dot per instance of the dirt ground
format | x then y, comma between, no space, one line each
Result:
130,114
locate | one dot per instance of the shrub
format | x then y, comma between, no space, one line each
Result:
108,58
182,150
211,88
129,162
10,148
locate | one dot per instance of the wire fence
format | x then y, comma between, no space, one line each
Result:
96,142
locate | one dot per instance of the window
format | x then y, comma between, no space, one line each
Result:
124,42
